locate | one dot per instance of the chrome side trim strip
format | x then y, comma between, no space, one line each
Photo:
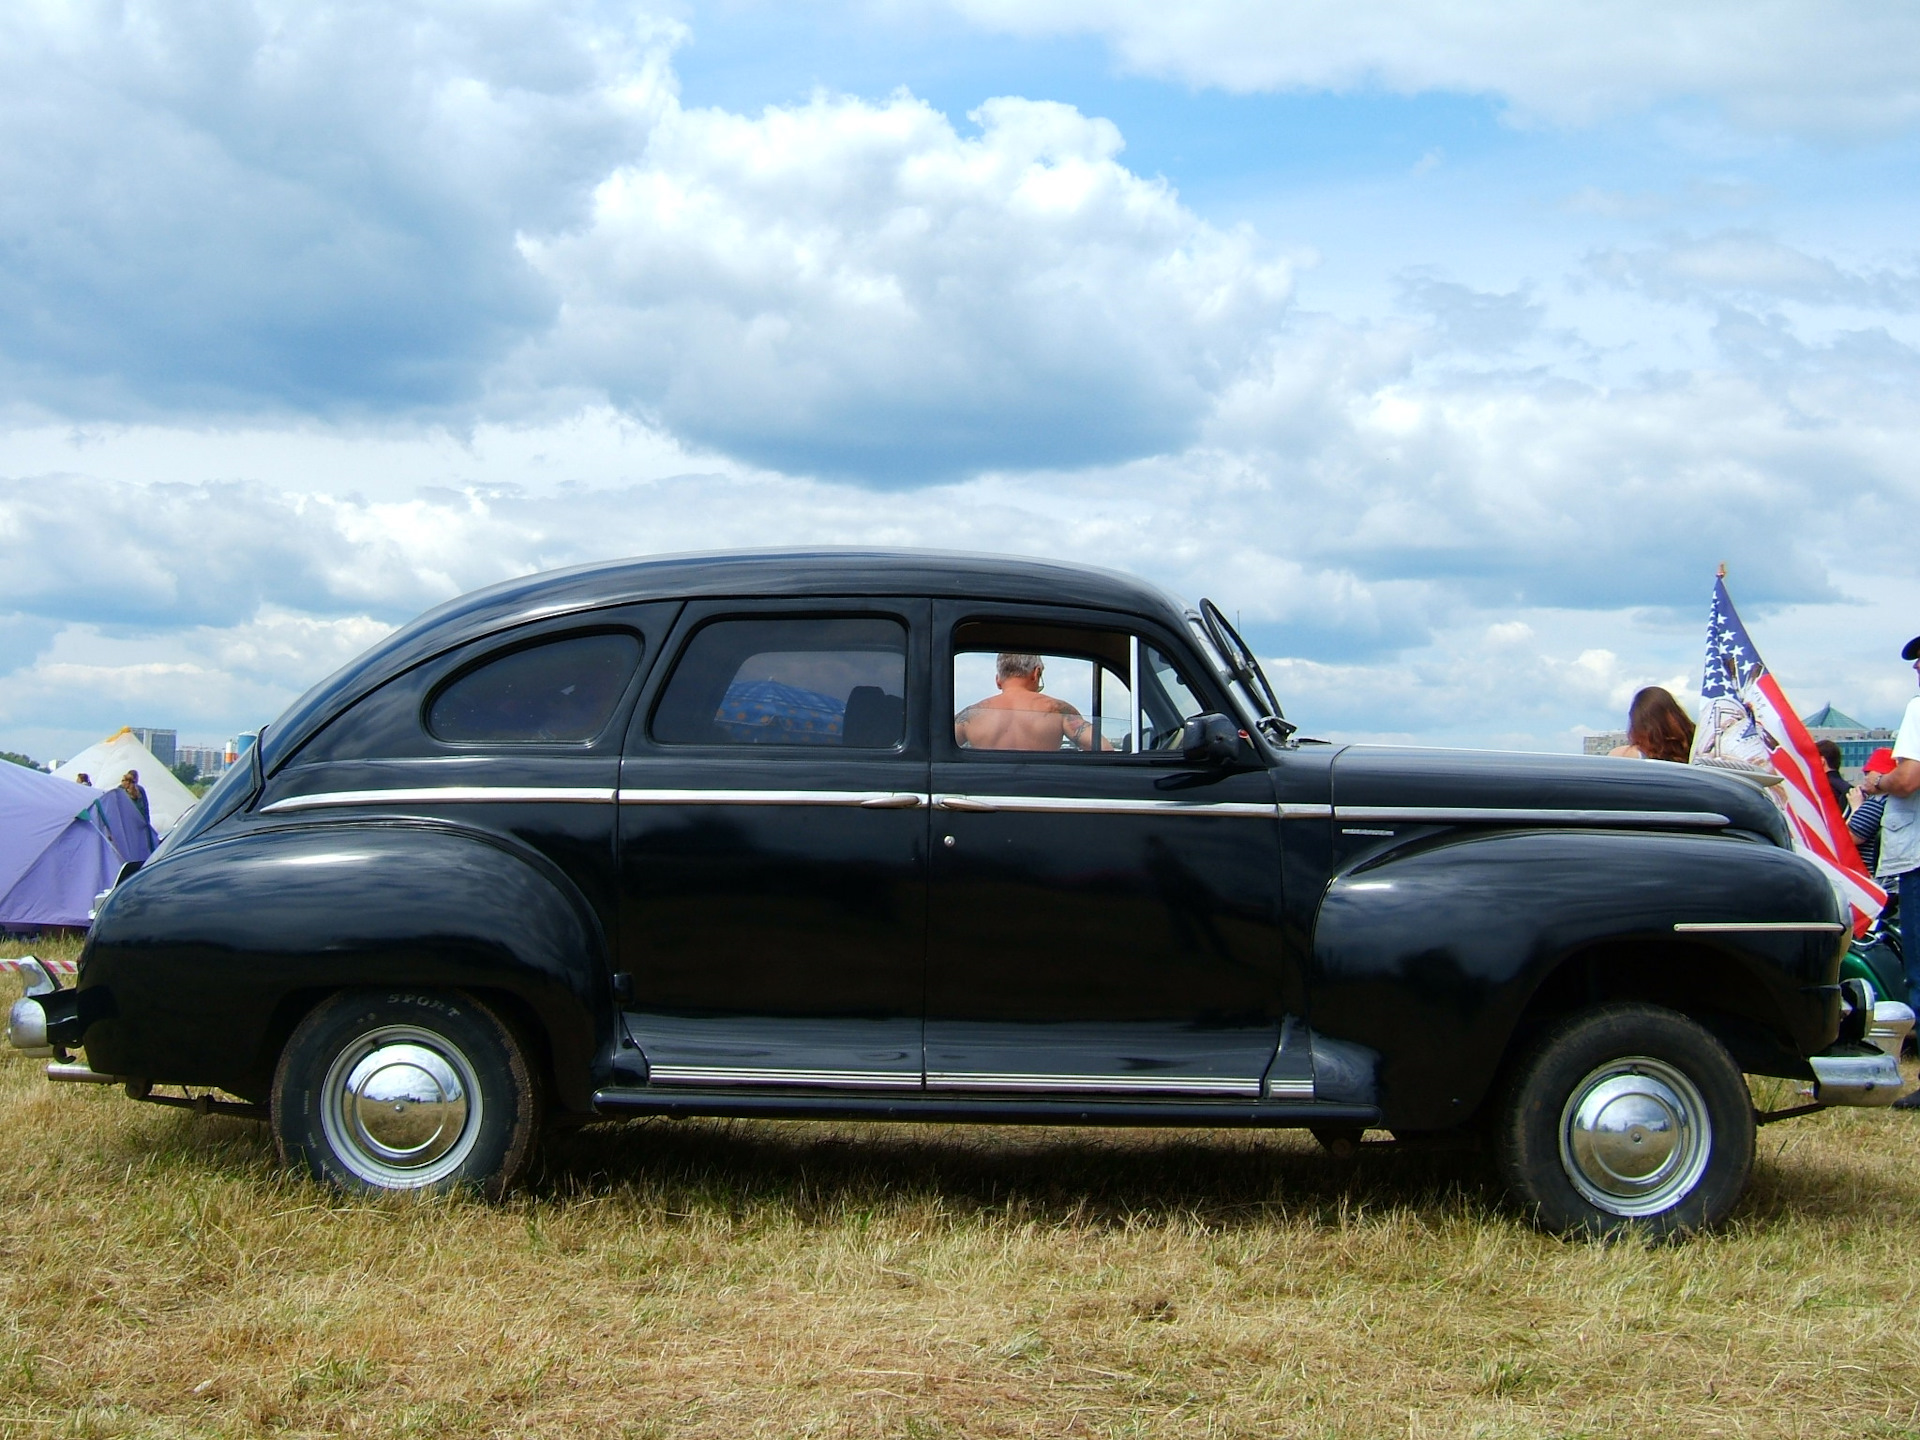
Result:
1095,1084
764,1075
1291,810
1470,814
1075,805
1735,927
1290,1088
443,795
865,799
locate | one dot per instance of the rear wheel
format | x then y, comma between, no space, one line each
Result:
1628,1117
386,1090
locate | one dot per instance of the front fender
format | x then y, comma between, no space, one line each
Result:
209,957
1430,956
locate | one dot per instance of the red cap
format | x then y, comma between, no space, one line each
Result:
1881,762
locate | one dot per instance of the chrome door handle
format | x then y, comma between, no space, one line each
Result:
962,802
899,801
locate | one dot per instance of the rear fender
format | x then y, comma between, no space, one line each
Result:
1431,955
211,956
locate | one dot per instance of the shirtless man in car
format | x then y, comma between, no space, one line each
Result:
1020,717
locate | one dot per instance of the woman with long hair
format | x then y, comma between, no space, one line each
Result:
1657,728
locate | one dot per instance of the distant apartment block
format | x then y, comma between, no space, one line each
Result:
206,759
163,745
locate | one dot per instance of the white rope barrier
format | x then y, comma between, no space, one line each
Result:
11,965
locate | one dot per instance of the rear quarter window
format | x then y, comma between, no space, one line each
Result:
556,692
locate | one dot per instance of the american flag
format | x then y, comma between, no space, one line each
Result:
1745,721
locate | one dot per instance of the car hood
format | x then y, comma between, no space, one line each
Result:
1408,778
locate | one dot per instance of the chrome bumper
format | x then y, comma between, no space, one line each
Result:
1891,1024
1872,1078
27,1021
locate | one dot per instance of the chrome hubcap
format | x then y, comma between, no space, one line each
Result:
1635,1136
401,1108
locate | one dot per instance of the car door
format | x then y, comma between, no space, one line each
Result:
1104,917
773,848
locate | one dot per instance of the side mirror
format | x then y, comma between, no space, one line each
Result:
1212,739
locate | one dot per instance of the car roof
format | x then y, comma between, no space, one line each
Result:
743,573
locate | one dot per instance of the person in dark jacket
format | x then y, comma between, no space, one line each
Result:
1836,782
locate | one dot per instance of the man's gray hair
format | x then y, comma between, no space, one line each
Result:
1010,664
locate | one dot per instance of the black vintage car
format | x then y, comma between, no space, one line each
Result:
912,836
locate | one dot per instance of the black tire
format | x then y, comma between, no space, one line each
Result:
1625,1118
392,1090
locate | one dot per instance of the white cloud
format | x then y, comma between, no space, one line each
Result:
1750,265
1813,65
206,681
861,290
402,301
355,212
280,207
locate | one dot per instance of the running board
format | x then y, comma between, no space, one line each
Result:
990,1110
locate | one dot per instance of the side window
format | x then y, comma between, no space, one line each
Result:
555,692
1052,689
789,681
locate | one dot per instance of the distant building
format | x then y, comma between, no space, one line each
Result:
161,744
1601,744
207,760
1856,741
240,744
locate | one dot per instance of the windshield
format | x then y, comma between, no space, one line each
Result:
1240,668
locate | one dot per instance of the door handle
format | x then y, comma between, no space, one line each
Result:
898,801
962,802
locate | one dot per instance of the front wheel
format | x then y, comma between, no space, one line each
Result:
1627,1117
392,1090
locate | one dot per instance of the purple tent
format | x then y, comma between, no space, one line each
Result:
60,845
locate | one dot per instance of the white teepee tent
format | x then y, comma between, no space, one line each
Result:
107,761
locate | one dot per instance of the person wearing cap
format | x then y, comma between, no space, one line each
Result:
1899,862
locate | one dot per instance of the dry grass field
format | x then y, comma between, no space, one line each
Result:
163,1278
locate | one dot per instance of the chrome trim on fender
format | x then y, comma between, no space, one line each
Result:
1093,1084
1472,814
1741,927
443,795
1078,805
765,1075
865,799
1292,810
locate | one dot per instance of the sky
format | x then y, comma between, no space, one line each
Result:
1449,346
